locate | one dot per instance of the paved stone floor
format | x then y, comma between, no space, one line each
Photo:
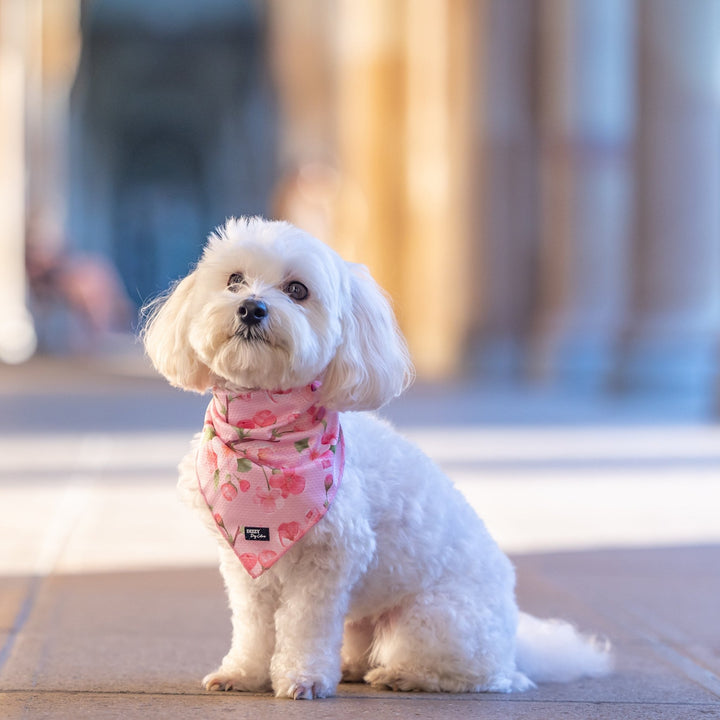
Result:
611,513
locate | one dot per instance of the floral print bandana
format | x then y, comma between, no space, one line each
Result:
269,466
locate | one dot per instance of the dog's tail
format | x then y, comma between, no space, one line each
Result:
554,651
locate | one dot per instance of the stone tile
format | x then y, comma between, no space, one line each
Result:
160,632
136,526
666,595
32,527
13,595
659,608
155,631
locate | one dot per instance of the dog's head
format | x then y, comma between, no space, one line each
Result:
268,306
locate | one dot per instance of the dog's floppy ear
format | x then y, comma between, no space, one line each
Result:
165,334
372,364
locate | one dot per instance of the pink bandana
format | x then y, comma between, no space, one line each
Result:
268,467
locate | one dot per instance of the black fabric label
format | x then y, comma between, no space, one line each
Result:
257,533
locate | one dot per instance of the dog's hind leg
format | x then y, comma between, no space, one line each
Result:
357,643
440,642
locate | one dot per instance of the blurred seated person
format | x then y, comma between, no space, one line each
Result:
77,299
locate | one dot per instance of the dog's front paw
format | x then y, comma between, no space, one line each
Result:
304,687
235,680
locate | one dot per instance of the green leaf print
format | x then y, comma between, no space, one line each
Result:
216,478
303,444
208,433
244,465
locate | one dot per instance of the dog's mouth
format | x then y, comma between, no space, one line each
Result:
252,334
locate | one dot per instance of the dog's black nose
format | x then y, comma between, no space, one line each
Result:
252,311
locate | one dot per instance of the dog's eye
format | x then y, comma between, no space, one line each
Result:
296,290
234,281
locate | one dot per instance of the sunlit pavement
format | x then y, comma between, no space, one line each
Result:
111,604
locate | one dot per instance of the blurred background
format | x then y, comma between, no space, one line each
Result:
535,182
537,185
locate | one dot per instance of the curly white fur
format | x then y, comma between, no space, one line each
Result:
400,585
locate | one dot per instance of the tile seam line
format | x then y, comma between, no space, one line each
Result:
689,666
74,498
21,618
399,697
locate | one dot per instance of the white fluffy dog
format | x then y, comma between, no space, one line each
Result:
379,570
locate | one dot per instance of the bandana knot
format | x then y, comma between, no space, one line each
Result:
269,466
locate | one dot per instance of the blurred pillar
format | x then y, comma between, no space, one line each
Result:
586,121
17,334
370,98
301,55
54,48
404,142
380,150
437,141
312,192
506,214
673,337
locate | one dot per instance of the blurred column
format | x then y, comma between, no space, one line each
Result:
673,337
313,192
370,115
586,127
506,212
54,48
438,146
17,334
301,55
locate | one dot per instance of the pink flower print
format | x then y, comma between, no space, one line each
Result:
329,438
264,418
218,520
249,561
267,558
229,491
328,482
303,423
209,455
244,485
289,483
265,455
246,424
225,455
326,460
288,533
267,499
311,516
320,414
